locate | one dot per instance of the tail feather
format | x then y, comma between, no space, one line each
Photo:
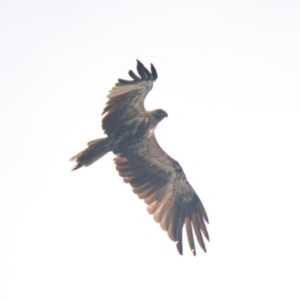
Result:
96,149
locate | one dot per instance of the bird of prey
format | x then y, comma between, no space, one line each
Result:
154,176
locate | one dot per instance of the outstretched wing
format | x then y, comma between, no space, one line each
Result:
160,181
125,108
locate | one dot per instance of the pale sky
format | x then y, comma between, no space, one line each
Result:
228,76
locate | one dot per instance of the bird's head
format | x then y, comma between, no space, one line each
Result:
159,114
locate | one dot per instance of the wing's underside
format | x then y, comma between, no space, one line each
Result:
125,107
160,181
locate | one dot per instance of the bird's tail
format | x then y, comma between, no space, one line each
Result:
95,150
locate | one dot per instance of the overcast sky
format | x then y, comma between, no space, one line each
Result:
228,76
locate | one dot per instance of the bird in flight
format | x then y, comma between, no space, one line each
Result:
154,176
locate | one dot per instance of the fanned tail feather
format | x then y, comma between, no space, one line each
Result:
96,149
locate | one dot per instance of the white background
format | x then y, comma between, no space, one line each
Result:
229,75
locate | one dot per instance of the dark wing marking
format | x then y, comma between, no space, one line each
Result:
160,181
125,108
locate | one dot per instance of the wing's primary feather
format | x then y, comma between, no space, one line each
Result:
133,75
161,182
142,70
154,73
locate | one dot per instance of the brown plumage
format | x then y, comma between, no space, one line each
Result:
154,176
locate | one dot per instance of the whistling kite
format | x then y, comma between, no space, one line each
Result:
154,175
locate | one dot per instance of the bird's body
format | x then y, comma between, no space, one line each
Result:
154,176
